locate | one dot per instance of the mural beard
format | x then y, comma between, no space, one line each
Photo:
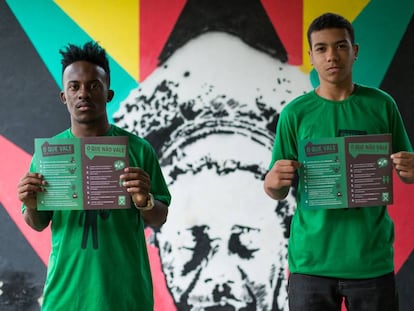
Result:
210,112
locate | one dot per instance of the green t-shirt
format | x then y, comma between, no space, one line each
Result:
343,243
99,259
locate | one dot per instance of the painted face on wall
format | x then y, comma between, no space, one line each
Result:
211,115
223,246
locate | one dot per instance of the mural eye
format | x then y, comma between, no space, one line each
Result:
199,250
244,241
189,241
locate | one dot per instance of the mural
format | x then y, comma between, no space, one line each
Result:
204,82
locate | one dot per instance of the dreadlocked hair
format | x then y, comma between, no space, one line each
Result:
91,52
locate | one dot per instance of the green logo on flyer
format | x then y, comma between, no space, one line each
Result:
121,200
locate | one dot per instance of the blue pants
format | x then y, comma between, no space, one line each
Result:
313,293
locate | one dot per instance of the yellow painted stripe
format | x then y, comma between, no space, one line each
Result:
113,23
350,9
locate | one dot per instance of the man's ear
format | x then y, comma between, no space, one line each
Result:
63,97
111,94
310,56
356,50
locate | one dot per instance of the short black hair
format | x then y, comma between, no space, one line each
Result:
91,52
330,20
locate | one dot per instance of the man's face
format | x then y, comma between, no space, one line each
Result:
85,92
332,55
223,245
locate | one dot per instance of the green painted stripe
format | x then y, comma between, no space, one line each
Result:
50,29
380,28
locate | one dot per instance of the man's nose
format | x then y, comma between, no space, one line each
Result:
84,92
331,54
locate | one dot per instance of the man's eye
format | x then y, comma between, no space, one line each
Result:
94,86
73,87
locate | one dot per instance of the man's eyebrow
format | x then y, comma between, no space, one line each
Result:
90,81
325,44
342,41
318,44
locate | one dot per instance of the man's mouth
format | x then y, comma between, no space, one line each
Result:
334,69
84,107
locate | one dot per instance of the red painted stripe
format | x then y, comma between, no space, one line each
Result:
402,213
287,19
156,21
14,163
162,298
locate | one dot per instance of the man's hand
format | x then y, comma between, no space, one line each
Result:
404,165
28,187
138,184
27,190
280,178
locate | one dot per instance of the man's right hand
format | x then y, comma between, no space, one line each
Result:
28,187
280,178
27,190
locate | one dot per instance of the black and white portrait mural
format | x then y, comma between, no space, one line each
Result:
211,108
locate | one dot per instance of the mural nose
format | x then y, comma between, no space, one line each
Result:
222,291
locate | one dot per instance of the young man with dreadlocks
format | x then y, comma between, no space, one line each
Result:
108,268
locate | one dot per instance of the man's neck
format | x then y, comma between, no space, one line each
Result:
90,130
335,92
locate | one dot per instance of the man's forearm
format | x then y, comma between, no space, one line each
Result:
38,220
157,216
277,194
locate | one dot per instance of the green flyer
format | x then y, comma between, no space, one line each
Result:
82,173
346,172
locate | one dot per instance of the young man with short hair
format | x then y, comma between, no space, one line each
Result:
337,254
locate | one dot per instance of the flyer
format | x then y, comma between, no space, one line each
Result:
82,173
346,172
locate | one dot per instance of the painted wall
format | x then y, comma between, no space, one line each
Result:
204,82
